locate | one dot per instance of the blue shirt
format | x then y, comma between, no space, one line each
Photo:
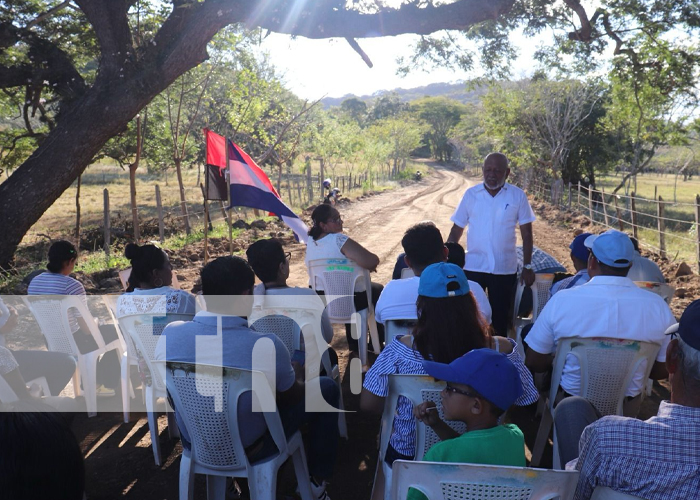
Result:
233,348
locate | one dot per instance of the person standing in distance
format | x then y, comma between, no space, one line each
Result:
492,210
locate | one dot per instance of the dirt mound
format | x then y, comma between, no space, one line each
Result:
687,285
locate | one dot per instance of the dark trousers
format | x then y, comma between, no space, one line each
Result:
501,292
360,301
109,365
322,432
57,367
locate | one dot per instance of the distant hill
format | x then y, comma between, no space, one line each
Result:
457,91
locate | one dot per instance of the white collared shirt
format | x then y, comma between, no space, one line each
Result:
491,222
398,300
606,306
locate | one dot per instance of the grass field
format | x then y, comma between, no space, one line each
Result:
681,231
59,220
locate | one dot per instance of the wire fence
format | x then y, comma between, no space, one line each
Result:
670,229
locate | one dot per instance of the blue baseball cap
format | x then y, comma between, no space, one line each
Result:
578,249
689,325
488,372
443,280
612,248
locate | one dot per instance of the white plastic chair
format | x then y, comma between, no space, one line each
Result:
291,318
217,450
144,332
51,313
338,278
605,493
607,367
661,289
452,481
540,296
395,327
407,272
130,359
418,389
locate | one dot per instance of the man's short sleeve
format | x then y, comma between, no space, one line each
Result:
541,338
587,463
461,213
525,213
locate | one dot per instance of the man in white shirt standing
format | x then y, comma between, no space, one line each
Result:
609,305
492,210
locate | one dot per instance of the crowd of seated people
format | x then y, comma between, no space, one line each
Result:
449,337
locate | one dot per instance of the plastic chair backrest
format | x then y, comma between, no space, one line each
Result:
288,317
418,389
396,327
206,399
338,277
605,493
407,272
661,289
7,395
145,331
110,301
51,313
607,367
451,481
540,294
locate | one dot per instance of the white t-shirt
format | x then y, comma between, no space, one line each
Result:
606,306
398,300
327,247
491,222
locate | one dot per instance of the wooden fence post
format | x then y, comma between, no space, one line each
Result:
697,227
159,207
620,222
309,187
590,203
605,210
662,226
578,199
227,216
634,216
107,228
207,223
301,203
570,195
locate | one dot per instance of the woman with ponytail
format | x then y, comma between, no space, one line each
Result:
328,242
57,281
150,285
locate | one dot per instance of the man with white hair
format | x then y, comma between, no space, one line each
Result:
492,210
655,459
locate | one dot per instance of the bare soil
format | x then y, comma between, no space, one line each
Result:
119,459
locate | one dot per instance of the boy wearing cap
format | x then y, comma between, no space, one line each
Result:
481,386
609,305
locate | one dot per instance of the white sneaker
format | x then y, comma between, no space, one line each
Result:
104,392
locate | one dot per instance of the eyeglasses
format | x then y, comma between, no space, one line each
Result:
453,390
337,220
288,256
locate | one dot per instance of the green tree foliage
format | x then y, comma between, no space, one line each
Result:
401,135
439,115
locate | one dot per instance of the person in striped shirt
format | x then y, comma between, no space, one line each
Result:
449,325
57,281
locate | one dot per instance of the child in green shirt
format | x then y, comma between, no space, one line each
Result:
481,386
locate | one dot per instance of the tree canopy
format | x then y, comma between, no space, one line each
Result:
76,72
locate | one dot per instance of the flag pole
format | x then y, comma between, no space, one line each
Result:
205,191
230,201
